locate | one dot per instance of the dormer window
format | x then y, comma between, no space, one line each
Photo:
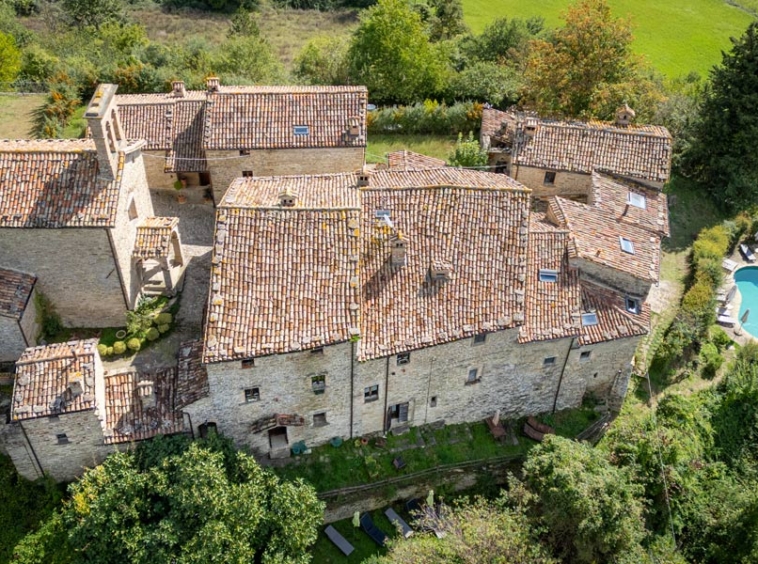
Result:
626,245
632,305
589,319
548,275
301,130
636,200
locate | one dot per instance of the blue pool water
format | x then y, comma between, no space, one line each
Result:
747,283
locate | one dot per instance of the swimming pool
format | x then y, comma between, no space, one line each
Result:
747,283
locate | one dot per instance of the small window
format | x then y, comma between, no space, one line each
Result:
133,210
62,438
636,200
403,358
548,275
585,355
244,152
473,376
317,350
301,130
433,401
318,383
632,305
626,245
549,361
319,419
247,174
589,319
252,394
549,179
480,338
247,363
371,393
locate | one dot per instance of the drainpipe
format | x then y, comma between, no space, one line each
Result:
385,426
428,390
352,385
563,370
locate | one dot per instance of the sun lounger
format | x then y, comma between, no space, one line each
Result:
541,427
376,534
335,536
728,265
747,253
396,520
726,321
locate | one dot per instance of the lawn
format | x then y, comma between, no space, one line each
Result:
676,37
437,146
16,115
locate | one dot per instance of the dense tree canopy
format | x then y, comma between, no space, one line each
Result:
173,501
10,58
722,155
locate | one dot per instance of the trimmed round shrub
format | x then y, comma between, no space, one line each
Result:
152,334
164,328
133,344
109,352
119,347
102,349
163,319
711,359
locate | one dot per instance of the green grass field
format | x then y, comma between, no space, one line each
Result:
676,37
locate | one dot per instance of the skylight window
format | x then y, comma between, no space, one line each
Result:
636,200
589,319
632,305
626,245
301,130
548,275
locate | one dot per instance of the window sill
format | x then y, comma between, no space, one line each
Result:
321,424
369,400
472,382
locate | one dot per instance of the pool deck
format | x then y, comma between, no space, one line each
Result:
736,333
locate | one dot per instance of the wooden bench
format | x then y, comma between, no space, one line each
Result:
498,431
541,427
396,520
340,541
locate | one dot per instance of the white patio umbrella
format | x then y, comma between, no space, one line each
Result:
730,295
744,317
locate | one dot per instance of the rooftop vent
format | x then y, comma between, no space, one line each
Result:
398,244
440,270
354,126
213,84
76,385
363,177
287,198
625,115
178,89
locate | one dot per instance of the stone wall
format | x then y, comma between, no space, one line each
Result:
28,321
276,162
75,269
611,278
134,189
570,185
155,165
12,342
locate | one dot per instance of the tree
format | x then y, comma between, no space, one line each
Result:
722,155
447,20
503,40
590,508
586,69
480,532
10,58
467,152
180,501
391,54
323,60
93,12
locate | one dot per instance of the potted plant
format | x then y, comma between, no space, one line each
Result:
180,184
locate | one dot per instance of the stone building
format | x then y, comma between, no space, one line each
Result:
18,317
354,304
558,157
68,414
209,138
69,214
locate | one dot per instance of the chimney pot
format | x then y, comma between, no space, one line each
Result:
178,89
398,244
213,83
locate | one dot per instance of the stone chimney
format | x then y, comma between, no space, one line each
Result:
398,246
625,116
363,177
287,198
213,84
178,89
354,127
440,270
75,385
530,127
105,125
146,394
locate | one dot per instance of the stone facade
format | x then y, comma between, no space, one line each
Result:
18,333
571,185
280,162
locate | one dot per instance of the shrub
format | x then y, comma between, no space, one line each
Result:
467,152
718,337
711,359
699,302
152,334
109,351
102,349
163,328
119,347
429,117
134,344
710,271
163,319
711,243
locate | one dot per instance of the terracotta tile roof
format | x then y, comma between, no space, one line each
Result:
151,122
408,160
281,280
55,184
323,191
187,153
481,232
552,308
595,237
140,406
154,237
15,291
48,377
614,322
612,194
192,377
637,151
266,117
